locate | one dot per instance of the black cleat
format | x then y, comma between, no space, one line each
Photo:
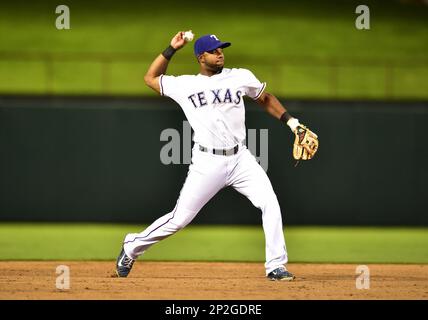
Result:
281,274
123,264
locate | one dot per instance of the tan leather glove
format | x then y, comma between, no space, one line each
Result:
305,143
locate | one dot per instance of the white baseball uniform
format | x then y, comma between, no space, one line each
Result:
215,109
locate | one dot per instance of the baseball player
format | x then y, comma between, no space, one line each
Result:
213,102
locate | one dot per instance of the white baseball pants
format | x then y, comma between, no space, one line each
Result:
207,175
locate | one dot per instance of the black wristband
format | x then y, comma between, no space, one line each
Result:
285,117
169,52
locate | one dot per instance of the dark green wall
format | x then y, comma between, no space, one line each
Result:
97,159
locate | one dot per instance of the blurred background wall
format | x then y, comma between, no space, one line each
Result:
80,132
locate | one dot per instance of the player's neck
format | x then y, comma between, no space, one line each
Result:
210,72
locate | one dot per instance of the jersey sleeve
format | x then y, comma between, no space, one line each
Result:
253,87
169,85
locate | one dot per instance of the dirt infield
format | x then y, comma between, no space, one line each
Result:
209,281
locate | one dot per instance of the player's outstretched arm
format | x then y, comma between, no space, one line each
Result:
275,108
160,64
306,142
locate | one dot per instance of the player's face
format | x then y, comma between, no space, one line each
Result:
214,59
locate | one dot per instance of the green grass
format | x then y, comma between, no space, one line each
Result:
41,241
301,48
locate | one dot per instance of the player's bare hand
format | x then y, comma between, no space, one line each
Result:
178,41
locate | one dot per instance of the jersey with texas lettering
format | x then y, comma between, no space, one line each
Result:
214,105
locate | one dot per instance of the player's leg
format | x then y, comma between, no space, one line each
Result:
206,176
249,178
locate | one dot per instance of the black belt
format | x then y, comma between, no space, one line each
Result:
223,152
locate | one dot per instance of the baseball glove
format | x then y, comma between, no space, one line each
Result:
305,143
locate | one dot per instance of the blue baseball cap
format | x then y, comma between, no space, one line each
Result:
207,43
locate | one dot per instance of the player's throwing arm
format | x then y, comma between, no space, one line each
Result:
160,64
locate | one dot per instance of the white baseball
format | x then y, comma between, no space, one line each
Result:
188,35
